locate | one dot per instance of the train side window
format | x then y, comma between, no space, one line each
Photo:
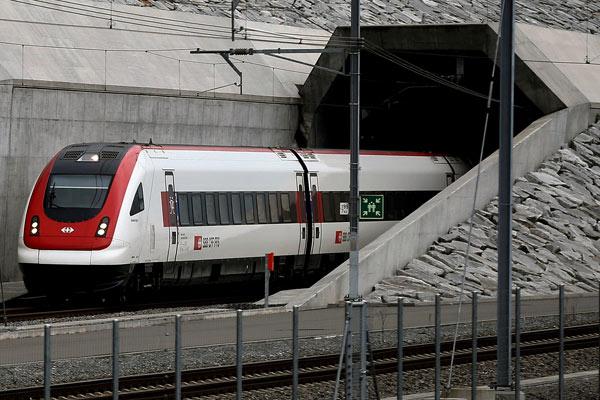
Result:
197,209
224,209
261,207
315,203
302,203
274,208
286,210
249,208
236,206
138,201
328,207
398,212
389,202
293,206
211,209
184,209
337,199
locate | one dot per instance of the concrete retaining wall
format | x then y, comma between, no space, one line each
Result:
36,122
412,236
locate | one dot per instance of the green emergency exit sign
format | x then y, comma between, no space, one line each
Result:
371,206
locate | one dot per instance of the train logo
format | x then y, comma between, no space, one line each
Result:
197,242
67,229
338,237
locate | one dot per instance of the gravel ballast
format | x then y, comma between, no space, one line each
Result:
31,374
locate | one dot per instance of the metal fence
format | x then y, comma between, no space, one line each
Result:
183,342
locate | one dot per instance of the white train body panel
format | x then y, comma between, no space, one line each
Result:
260,206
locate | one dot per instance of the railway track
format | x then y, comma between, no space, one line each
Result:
32,313
271,374
19,314
38,308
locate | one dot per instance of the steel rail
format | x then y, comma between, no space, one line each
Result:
314,369
32,313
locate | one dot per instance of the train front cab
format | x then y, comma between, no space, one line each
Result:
71,217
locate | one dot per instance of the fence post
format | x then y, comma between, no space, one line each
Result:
115,359
295,355
349,366
267,276
363,350
518,344
178,357
437,348
239,355
474,347
561,342
400,344
47,362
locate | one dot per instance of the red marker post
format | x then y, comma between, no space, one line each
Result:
269,265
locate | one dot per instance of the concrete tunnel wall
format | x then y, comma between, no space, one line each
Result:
412,236
36,122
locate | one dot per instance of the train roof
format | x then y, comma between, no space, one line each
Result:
100,146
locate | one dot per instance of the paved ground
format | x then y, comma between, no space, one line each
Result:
155,332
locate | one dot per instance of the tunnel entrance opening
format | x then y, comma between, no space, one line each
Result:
403,110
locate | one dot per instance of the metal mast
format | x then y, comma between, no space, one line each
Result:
507,79
354,146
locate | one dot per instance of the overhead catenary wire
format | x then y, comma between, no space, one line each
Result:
377,50
292,9
219,87
153,52
168,25
268,66
370,46
182,60
202,29
83,48
97,10
153,25
473,211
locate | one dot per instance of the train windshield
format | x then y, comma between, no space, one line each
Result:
74,198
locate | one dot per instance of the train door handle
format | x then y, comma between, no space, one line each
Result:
317,235
173,237
303,233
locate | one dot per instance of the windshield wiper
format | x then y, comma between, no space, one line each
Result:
52,197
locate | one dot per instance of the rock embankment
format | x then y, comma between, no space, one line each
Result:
556,236
577,15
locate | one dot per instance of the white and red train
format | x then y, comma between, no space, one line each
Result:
104,216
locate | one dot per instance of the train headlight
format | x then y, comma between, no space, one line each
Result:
102,227
34,226
89,157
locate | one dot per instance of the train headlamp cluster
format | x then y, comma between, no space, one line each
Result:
34,226
89,157
102,227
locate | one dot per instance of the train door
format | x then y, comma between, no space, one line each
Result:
172,209
316,214
300,201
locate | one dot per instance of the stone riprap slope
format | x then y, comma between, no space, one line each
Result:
556,236
577,15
